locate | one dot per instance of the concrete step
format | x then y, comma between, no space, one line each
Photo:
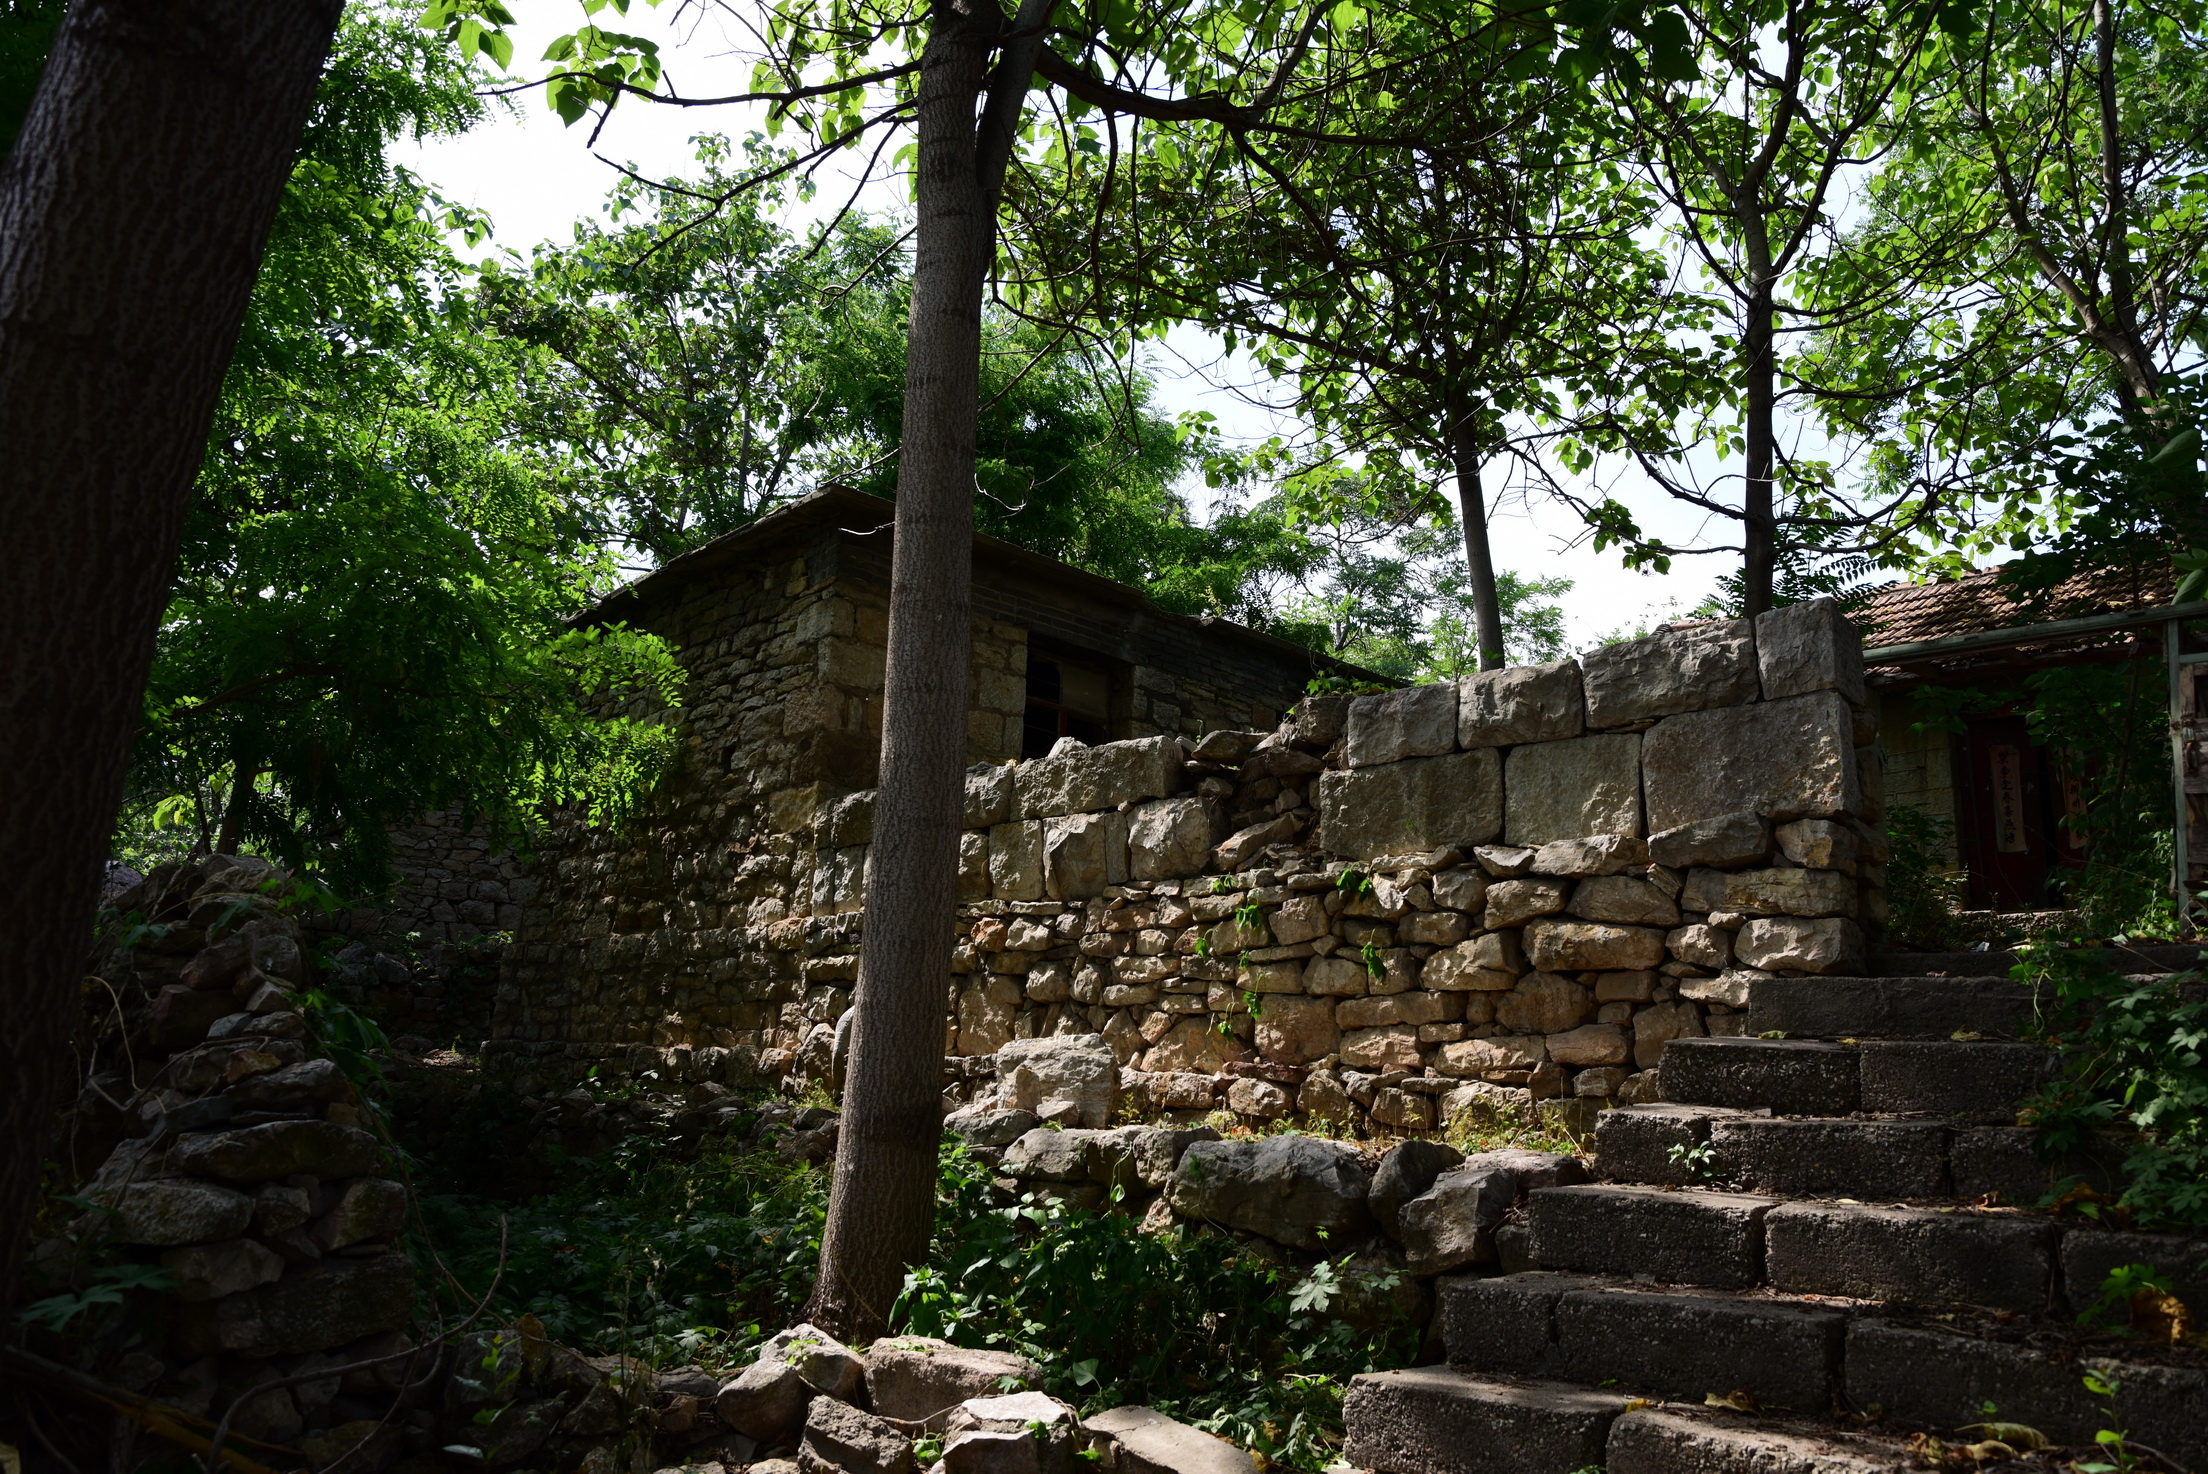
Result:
1689,1440
1922,1256
1791,1077
1931,1375
1982,1080
1432,1420
1674,1237
1888,1007
1684,1343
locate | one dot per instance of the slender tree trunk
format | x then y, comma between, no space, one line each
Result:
232,834
1487,609
1759,518
881,1207
133,212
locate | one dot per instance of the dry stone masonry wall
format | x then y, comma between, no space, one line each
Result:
1512,888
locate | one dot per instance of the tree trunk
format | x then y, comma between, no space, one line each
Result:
881,1207
1759,519
133,212
1487,610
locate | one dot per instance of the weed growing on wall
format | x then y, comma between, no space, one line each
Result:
2134,1055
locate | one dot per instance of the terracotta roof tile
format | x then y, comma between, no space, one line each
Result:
1930,611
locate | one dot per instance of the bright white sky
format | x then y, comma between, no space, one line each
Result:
535,178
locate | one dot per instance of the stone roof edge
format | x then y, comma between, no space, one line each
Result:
840,504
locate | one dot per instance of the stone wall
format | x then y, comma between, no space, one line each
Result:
448,885
1527,881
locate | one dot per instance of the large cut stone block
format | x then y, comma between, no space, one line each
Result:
1770,892
1928,1375
1527,703
1654,1442
1653,1341
1950,1078
1506,1323
1692,669
1016,861
1793,1077
1417,721
1808,647
1827,944
850,820
1082,854
1919,1255
1418,804
1783,759
1554,945
1654,1143
1563,790
1171,838
1431,1420
1691,1238
988,795
1089,778
1818,1157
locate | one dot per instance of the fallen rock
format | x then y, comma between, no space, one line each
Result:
768,1399
1140,1441
985,1125
917,1379
1407,1171
1026,1433
1453,1223
1050,1154
178,1211
264,1153
1306,1192
1070,1067
839,1439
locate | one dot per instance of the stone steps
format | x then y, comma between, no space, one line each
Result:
1888,1008
1982,1080
1672,1145
1435,1420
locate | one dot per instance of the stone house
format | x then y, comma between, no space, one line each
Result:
641,935
2004,794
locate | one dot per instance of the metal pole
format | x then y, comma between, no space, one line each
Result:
2173,639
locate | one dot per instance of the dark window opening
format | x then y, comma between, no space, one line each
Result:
1066,697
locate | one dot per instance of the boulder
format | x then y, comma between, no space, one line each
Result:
988,795
1294,1030
1408,1170
1388,726
1319,722
1544,1003
1154,1151
1452,1224
1242,846
1506,1054
1770,892
1516,902
1819,844
1146,1442
1527,703
171,1211
257,1154
1428,803
1808,647
1049,1154
1706,665
1069,1067
1594,854
328,1302
919,1379
768,1399
1825,945
211,1271
1084,779
1563,790
1026,1433
1590,946
1623,898
1305,1192
839,1439
1016,861
1532,1169
1170,838
308,1085
370,1210
1701,945
1082,854
1726,842
1781,759
1489,963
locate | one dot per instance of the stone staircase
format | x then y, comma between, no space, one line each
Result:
1814,1227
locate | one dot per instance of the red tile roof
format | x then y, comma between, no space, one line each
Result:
1903,612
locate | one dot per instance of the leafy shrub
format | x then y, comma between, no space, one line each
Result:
1924,900
2134,1055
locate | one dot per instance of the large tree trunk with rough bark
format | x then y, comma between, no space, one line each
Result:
881,1208
133,213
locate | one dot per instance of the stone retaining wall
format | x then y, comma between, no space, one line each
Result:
1527,880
